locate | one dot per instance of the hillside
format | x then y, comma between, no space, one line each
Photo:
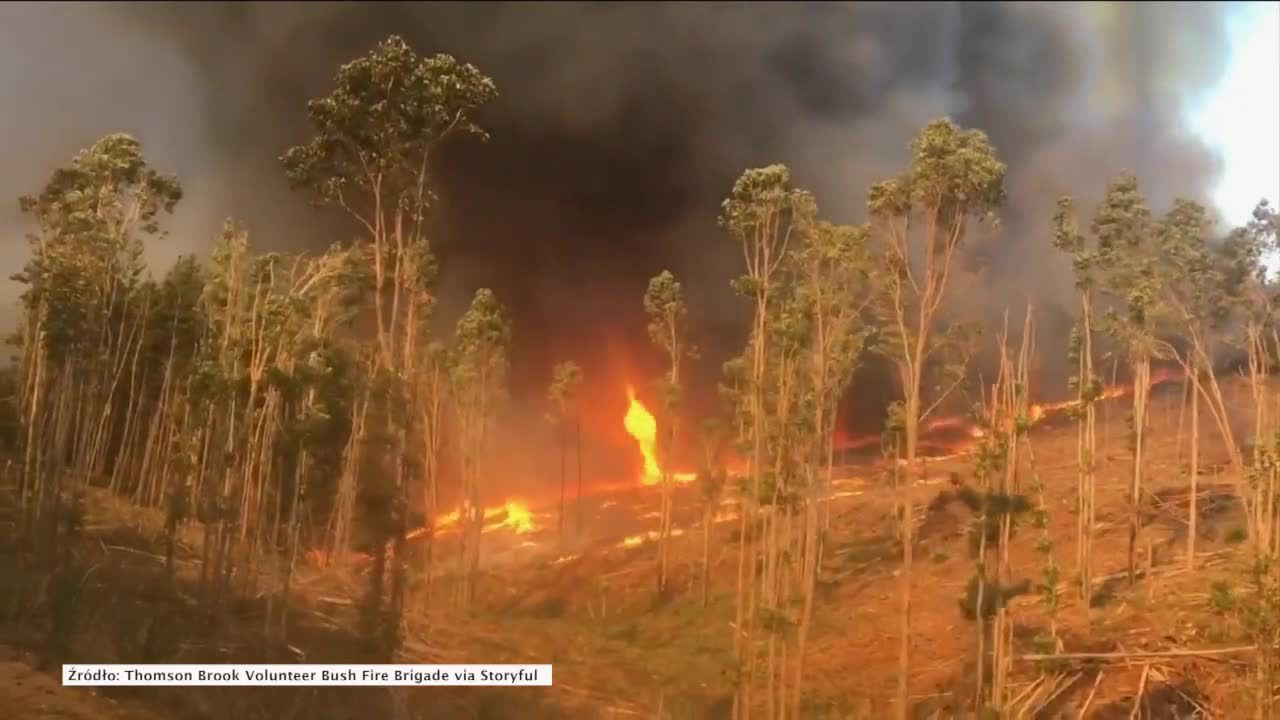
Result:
588,607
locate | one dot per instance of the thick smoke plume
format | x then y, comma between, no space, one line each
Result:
619,129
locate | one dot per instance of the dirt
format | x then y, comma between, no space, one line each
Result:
29,694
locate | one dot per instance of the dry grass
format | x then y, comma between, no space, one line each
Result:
617,654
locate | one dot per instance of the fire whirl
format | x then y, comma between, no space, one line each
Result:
641,425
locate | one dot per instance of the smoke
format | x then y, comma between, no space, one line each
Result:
619,129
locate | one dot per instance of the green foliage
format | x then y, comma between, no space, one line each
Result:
951,169
1255,610
1127,265
374,131
481,341
668,330
566,378
92,215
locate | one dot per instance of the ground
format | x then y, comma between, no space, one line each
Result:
587,606
27,694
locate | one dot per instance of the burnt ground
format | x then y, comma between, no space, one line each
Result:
586,605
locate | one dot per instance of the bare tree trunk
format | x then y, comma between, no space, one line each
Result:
706,551
1193,499
563,463
577,442
1141,385
912,431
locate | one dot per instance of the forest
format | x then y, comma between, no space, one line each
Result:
280,457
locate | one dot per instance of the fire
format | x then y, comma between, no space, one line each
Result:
519,518
631,541
515,515
642,426
1036,412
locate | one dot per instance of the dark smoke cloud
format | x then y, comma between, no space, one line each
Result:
619,129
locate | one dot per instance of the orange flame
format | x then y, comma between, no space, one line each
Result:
1037,412
515,515
519,518
642,426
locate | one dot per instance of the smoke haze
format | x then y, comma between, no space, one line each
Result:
618,130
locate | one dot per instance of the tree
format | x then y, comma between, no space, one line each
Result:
80,305
478,380
762,213
921,219
370,156
374,137
668,329
1084,256
1202,282
832,273
1004,420
1127,263
566,377
1246,248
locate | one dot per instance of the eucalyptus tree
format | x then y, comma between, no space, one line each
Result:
1088,386
762,213
669,330
832,269
1203,284
1127,262
82,283
920,220
478,375
370,156
1004,418
566,378
433,402
1247,249
789,430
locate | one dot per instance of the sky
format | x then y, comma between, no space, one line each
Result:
1240,116
620,127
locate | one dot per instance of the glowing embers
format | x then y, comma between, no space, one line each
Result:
513,515
637,540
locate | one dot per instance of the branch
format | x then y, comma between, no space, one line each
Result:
342,202
1211,652
942,396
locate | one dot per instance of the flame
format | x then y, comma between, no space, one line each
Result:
631,541
519,518
1036,412
515,515
641,425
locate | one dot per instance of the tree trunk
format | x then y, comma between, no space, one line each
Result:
1141,384
563,461
1193,500
577,442
706,552
912,432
